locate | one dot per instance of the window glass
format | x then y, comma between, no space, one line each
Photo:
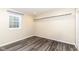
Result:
14,21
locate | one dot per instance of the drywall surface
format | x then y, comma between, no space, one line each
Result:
77,28
60,28
8,35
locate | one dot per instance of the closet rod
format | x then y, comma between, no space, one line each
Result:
53,16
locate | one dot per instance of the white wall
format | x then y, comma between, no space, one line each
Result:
8,36
58,28
77,28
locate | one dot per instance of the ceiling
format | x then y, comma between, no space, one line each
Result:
34,11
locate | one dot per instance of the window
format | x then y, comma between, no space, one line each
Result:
14,20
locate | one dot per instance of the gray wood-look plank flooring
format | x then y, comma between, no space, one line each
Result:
38,44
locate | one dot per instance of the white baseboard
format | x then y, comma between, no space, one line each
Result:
58,40
37,36
64,41
14,41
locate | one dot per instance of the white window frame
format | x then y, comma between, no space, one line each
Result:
16,15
